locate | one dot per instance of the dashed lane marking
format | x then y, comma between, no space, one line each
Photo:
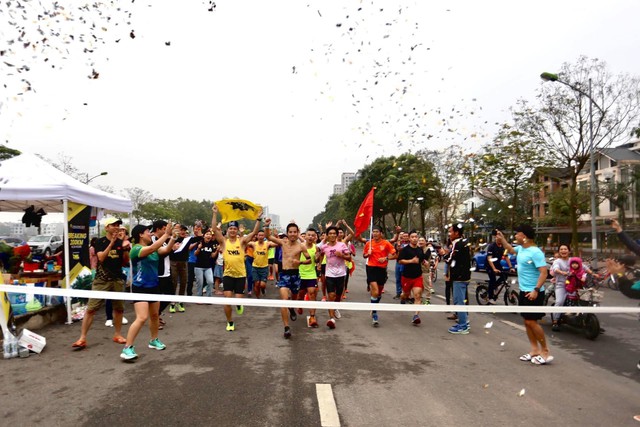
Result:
327,405
515,325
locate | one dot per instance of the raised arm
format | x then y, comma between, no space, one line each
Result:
267,233
148,250
396,234
249,237
351,232
506,244
217,232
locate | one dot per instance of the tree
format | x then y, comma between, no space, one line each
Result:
140,197
561,119
7,153
449,185
503,170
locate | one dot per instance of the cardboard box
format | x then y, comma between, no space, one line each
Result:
31,341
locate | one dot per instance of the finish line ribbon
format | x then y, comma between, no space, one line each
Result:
320,305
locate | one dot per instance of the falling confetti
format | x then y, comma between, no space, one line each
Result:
521,393
488,325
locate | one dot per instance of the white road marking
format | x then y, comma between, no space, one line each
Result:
515,325
327,405
625,316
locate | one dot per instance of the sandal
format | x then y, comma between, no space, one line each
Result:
80,344
527,357
539,360
120,339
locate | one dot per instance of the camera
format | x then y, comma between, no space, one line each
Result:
607,221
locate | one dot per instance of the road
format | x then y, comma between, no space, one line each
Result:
394,375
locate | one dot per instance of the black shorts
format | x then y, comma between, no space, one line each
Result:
526,302
279,263
233,284
335,285
377,275
140,290
272,261
323,269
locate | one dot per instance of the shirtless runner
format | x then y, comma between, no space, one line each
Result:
289,282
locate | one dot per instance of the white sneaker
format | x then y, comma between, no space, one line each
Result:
337,313
124,320
109,323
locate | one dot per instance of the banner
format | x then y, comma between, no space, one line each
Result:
235,209
6,314
78,250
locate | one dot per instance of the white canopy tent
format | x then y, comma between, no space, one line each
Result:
27,180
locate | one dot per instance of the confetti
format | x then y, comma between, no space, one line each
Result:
521,393
502,344
488,325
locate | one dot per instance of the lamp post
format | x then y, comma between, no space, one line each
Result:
88,180
550,77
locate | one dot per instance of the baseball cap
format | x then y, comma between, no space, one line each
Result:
527,230
137,231
112,221
233,224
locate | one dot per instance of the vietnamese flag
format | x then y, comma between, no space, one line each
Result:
365,214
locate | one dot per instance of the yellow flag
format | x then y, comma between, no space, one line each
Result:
235,209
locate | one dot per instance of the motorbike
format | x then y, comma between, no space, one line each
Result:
587,322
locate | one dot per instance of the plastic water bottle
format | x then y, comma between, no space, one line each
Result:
6,348
14,346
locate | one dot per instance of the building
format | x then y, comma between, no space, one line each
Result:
346,179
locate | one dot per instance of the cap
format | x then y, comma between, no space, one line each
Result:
184,227
527,230
233,224
157,225
112,221
137,231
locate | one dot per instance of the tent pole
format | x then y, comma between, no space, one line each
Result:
65,208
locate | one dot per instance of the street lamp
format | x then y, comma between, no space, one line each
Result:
409,202
550,77
94,177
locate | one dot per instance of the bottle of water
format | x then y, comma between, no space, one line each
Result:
6,347
14,346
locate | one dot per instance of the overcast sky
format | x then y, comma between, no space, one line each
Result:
272,100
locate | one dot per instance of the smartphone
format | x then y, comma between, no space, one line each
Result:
607,221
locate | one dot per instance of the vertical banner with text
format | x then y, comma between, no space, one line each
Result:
79,217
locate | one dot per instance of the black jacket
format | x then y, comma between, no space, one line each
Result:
459,260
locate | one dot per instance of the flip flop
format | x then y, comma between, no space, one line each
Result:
80,344
539,360
120,340
526,357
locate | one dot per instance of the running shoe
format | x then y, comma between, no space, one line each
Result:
638,365
292,315
156,344
306,298
324,299
313,323
264,291
336,312
181,307
426,302
128,353
397,296
124,320
331,323
287,332
231,327
270,278
172,308
109,323
416,319
239,309
374,319
459,329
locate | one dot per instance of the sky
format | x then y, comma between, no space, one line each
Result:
272,101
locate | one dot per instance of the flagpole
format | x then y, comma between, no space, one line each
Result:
371,228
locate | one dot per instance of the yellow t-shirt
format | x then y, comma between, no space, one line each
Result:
233,256
261,255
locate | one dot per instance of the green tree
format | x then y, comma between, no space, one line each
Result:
139,197
7,153
561,120
503,170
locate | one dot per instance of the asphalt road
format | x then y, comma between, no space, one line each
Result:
394,375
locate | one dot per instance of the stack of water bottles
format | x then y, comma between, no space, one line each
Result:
11,348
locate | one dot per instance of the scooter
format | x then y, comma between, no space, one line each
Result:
588,322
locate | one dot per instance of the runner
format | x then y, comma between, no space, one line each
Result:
426,268
336,253
261,249
289,281
145,260
411,257
309,276
377,252
232,250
